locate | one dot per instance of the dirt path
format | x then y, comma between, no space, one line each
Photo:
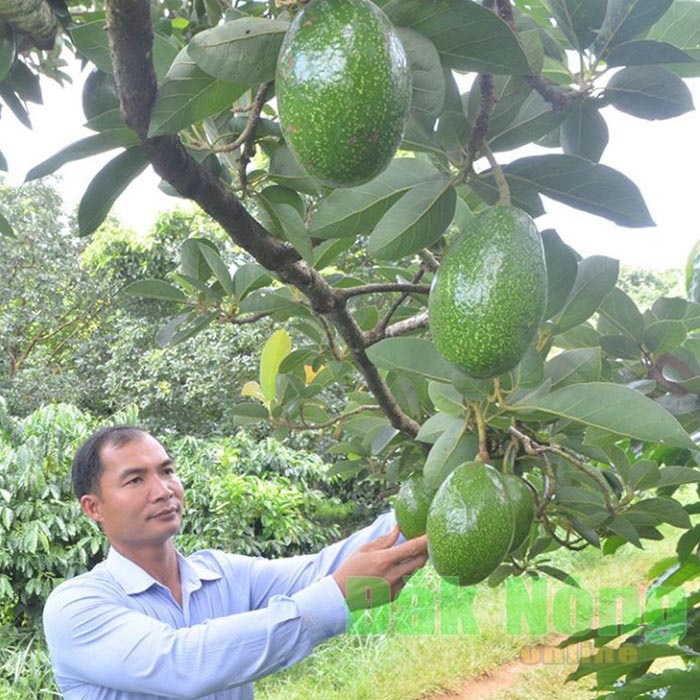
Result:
505,676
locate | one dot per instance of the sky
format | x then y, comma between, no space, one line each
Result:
661,157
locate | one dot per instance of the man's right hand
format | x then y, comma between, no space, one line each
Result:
380,559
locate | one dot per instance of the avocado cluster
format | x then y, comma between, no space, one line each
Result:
475,518
488,297
343,88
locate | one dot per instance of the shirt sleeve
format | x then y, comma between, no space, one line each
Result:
95,637
272,577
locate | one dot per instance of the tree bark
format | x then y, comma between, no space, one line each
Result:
35,18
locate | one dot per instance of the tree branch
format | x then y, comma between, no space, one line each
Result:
408,325
409,288
131,42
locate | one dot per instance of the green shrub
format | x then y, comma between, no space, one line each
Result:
25,670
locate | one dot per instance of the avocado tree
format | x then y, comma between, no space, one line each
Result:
599,414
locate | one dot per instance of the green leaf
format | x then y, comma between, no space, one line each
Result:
664,336
621,346
677,475
454,447
436,425
218,268
285,170
192,260
558,574
666,510
356,211
92,41
6,228
155,289
645,52
627,19
243,51
107,185
294,231
614,408
687,542
182,327
269,199
649,92
249,412
645,475
592,187
584,133
89,146
468,37
413,355
561,271
579,20
623,527
595,279
328,251
510,92
622,314
428,79
446,398
189,95
680,26
416,221
575,367
277,347
534,119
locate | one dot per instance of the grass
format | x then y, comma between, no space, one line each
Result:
406,662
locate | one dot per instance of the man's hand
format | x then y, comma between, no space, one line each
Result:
379,559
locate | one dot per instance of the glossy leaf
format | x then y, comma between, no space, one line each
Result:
413,355
243,51
628,19
664,336
427,77
595,279
614,408
579,20
649,92
92,40
468,37
645,52
436,425
416,221
89,146
182,327
155,289
534,119
454,447
355,211
622,314
6,227
584,132
218,268
107,185
277,347
592,187
680,26
575,367
561,271
189,95
285,170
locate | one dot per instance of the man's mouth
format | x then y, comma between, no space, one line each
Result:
166,513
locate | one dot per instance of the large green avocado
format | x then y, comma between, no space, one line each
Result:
470,524
523,508
488,296
411,506
343,90
99,94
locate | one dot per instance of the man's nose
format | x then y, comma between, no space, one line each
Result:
161,488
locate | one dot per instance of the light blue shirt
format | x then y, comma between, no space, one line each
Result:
115,633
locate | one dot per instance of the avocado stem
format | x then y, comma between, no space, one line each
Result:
483,455
504,197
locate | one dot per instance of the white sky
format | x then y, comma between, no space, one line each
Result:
661,157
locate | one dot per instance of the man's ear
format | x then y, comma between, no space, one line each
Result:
90,504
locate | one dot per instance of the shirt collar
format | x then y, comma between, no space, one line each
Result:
134,580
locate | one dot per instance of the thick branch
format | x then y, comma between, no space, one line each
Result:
408,325
131,37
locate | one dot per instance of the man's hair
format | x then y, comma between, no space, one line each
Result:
87,463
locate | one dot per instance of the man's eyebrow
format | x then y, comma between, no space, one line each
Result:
135,471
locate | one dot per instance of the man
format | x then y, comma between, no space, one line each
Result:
151,624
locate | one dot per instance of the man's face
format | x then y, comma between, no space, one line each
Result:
140,498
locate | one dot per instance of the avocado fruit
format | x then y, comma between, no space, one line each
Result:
343,86
470,524
99,94
523,504
411,506
488,296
